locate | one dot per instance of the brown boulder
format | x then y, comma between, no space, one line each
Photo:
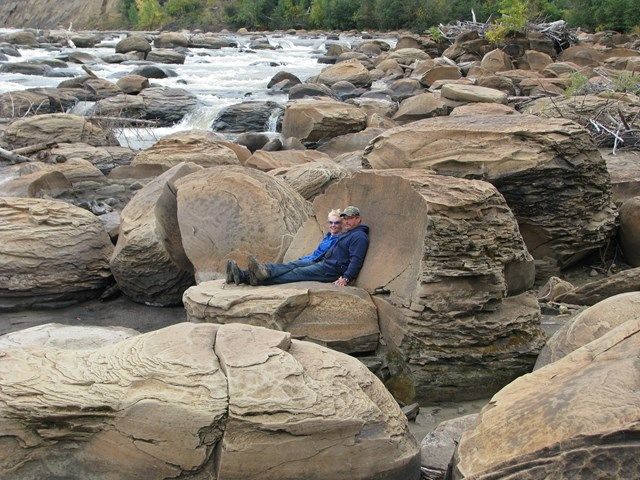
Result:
472,93
350,70
496,61
312,178
51,254
132,84
351,142
265,161
581,55
630,231
230,212
559,220
534,60
483,109
594,292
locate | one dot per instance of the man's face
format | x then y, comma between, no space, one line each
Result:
349,223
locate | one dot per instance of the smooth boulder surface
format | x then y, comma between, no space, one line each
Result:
350,70
314,120
230,212
629,232
196,146
198,401
575,418
343,319
312,178
67,337
149,262
443,253
472,93
56,127
52,254
589,325
549,171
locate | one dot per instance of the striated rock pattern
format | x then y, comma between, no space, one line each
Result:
190,401
311,179
443,253
589,325
265,161
52,254
231,212
575,418
549,171
149,262
344,319
68,337
594,292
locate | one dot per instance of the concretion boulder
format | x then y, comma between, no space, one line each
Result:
440,283
472,93
56,127
298,410
52,254
149,262
548,170
200,147
496,61
66,337
350,70
265,161
229,212
151,406
594,292
251,116
313,120
589,325
344,319
133,43
534,60
575,418
312,178
629,232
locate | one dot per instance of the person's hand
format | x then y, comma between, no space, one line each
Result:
341,282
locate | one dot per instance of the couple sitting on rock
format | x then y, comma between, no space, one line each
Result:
338,257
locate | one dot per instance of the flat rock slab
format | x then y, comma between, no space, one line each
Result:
472,93
594,292
71,337
344,319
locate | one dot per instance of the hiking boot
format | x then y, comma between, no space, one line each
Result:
258,272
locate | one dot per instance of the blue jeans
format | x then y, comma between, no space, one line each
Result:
308,272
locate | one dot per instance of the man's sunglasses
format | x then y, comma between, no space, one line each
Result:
334,223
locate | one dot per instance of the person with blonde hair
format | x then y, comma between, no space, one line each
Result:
334,227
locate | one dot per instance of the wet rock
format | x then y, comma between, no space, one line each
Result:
309,90
162,55
218,224
283,81
132,84
265,161
307,310
595,436
83,58
133,43
85,41
210,41
439,292
251,116
314,120
53,254
26,68
21,38
629,232
559,221
589,325
196,146
149,262
404,88
90,89
312,178
344,90
56,127
154,71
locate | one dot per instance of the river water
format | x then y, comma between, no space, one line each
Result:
218,78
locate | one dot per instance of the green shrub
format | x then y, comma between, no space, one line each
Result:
513,19
627,82
577,86
150,14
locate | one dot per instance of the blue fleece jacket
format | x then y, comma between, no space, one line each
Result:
347,254
325,244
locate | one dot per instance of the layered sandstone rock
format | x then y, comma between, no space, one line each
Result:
589,325
443,253
437,448
231,212
149,262
312,178
575,418
66,337
51,254
265,161
314,120
199,147
198,401
344,319
548,170
594,292
56,127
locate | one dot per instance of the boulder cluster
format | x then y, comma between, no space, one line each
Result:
477,175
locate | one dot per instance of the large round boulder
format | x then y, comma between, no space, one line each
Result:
133,43
313,120
575,418
229,212
149,262
443,253
350,70
251,116
549,171
52,254
233,401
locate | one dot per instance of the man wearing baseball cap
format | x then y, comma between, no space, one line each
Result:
340,264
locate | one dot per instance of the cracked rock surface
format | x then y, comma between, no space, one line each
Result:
231,212
149,262
344,319
52,254
575,418
311,179
549,171
197,401
443,252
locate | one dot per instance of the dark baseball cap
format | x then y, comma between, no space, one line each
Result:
350,211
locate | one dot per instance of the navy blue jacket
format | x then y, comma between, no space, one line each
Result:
347,254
